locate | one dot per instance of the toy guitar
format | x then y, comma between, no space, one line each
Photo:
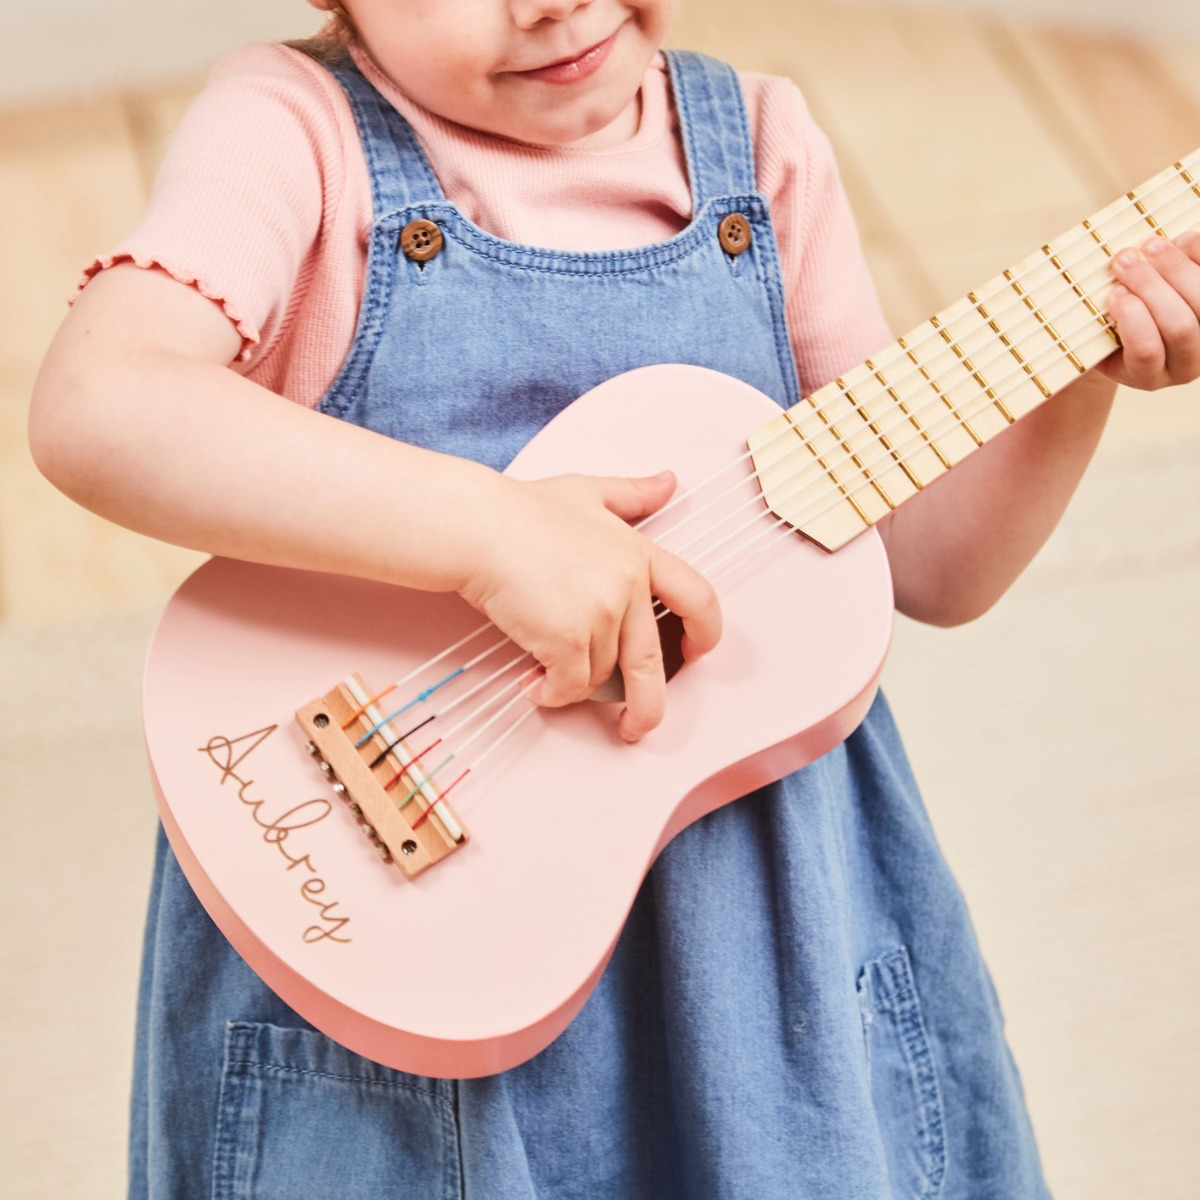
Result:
450,954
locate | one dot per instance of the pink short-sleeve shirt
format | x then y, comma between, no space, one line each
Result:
263,204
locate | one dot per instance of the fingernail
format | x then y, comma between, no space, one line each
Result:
1118,293
1127,258
1157,246
663,475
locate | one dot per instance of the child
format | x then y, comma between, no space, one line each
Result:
797,1006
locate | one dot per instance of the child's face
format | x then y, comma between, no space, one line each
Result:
549,72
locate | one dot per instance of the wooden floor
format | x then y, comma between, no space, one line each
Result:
1055,739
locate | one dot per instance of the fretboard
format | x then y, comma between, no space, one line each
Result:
851,452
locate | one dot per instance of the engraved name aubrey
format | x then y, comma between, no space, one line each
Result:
228,755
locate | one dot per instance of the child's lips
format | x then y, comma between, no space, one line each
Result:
571,70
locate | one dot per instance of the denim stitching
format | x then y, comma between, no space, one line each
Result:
371,114
225,1180
904,1002
581,264
281,1069
772,283
678,75
721,91
234,1085
381,284
743,175
223,1142
378,116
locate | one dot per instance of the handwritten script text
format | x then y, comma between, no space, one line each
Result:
228,755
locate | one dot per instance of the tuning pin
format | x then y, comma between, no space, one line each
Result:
384,852
369,830
326,768
311,748
355,809
339,789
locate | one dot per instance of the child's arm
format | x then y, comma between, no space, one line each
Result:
136,415
956,548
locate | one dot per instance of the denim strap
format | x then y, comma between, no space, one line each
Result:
399,171
716,132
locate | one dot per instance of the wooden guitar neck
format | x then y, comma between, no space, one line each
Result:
847,455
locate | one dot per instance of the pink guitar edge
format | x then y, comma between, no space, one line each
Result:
479,963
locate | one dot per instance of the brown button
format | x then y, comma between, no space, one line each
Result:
421,240
734,234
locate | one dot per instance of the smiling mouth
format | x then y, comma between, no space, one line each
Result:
571,70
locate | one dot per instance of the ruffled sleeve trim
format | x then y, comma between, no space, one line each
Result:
247,331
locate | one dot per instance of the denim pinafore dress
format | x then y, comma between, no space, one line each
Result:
796,1008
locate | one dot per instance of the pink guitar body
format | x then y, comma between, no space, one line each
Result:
477,964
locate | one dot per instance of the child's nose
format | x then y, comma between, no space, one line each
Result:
529,13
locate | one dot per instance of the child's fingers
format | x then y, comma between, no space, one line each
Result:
1142,358
690,597
634,498
1179,269
1157,313
641,662
1189,243
576,660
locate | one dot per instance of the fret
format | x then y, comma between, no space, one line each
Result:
959,350
963,423
1165,204
1008,345
912,420
1087,300
1146,214
853,455
883,431
841,487
1072,358
1098,239
910,412
884,440
970,366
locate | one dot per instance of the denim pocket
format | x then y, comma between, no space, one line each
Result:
904,1085
300,1117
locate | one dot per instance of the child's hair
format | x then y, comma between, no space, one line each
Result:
339,28
329,44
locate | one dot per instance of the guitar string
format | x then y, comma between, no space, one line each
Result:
450,733
948,423
802,481
777,526
776,522
1014,301
863,433
886,458
1088,237
449,708
429,691
950,420
521,695
869,438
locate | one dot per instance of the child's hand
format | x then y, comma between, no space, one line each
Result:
563,574
1156,309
